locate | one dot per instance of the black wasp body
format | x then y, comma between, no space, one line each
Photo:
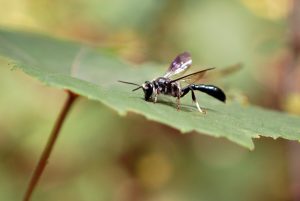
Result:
172,87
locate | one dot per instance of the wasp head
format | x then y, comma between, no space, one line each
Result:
148,90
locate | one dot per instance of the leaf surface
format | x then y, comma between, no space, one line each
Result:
94,73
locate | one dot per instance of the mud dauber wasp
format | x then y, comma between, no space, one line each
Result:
172,87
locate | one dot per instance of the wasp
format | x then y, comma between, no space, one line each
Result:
173,87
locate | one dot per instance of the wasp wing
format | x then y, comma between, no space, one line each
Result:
222,72
193,77
180,64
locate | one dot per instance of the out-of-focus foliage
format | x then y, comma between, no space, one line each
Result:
101,156
269,9
292,103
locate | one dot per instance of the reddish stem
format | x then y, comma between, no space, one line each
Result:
48,148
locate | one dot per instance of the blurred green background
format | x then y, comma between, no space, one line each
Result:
102,156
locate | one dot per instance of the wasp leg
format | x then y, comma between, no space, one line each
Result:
186,90
155,96
178,103
155,99
196,103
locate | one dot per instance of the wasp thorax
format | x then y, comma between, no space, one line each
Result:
148,90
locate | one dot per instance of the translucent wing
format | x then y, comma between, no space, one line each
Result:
193,77
222,72
181,63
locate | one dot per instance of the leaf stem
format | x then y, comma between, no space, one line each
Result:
49,146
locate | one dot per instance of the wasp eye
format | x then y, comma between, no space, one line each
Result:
147,87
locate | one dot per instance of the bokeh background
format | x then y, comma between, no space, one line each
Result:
101,156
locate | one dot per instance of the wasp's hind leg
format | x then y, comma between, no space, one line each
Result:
196,103
187,89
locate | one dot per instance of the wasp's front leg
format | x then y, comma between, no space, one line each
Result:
155,99
156,91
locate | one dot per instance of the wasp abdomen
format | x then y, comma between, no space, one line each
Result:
208,89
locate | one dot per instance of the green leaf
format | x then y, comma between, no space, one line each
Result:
94,74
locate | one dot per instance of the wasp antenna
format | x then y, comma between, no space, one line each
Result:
137,88
129,83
